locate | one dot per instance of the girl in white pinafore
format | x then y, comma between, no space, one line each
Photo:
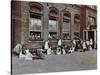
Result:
91,43
72,49
28,55
46,46
63,51
59,42
84,46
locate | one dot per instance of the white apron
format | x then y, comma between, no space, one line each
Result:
73,49
63,51
59,42
46,45
84,45
91,42
49,51
74,42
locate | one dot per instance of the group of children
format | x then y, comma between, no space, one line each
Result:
87,45
23,54
60,49
81,45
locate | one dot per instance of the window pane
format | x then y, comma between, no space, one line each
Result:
66,30
77,27
76,35
52,29
65,27
35,24
66,36
91,20
53,25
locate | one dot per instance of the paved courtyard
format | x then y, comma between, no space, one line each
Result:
56,63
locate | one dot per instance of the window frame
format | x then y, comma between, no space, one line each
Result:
68,18
55,17
40,14
77,21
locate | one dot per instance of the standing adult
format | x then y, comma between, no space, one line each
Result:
46,46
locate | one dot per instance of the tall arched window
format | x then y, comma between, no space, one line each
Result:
35,21
76,26
66,25
53,23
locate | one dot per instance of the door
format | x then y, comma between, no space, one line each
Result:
91,35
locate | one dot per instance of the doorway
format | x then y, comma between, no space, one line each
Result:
87,34
91,35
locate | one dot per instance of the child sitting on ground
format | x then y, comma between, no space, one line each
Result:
71,49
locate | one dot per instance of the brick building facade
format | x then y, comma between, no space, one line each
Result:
35,22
